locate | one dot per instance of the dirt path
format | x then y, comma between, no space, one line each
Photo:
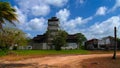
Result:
71,61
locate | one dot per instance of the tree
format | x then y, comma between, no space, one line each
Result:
7,13
60,40
11,37
80,39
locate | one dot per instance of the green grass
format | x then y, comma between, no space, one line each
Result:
52,52
2,53
47,52
24,54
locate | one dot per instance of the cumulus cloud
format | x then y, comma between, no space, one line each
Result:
72,25
58,3
39,10
28,35
39,7
117,5
30,14
75,22
36,8
81,1
21,17
22,24
102,29
63,15
37,24
101,11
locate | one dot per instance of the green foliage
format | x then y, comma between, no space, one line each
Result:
2,53
44,52
11,36
7,13
80,39
60,40
118,39
49,52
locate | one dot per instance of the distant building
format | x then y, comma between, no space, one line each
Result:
40,42
106,43
71,42
53,27
45,41
91,44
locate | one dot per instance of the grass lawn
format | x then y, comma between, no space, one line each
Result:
53,52
24,54
44,52
47,52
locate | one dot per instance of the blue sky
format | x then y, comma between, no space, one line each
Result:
93,18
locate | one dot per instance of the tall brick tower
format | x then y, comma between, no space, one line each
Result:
53,27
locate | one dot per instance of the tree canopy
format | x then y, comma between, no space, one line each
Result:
80,39
60,40
11,36
7,13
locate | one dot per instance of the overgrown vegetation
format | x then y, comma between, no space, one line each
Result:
12,37
60,40
80,39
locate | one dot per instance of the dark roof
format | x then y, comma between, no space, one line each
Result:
92,40
110,37
53,19
40,38
43,38
71,38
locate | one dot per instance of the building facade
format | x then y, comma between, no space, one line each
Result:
52,30
45,41
106,43
91,44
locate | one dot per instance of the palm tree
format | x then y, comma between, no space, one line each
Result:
7,13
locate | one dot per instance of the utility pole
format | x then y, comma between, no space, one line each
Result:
115,46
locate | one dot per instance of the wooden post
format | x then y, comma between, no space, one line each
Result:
115,46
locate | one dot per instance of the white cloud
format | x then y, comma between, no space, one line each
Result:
37,24
40,10
105,28
101,11
27,10
75,22
58,3
117,5
22,24
39,7
81,1
28,35
73,26
21,17
63,15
